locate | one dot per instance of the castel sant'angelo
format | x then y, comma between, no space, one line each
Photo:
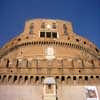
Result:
48,61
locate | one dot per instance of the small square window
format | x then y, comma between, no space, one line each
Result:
54,34
48,34
42,34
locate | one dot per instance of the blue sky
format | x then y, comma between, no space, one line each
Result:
84,14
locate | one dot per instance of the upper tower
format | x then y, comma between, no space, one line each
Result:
37,26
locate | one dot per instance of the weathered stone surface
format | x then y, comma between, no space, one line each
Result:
43,51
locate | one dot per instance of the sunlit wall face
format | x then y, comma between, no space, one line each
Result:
77,92
26,92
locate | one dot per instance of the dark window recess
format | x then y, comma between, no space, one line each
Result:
65,29
4,77
80,77
77,40
37,78
31,28
20,77
97,76
96,50
84,42
15,78
62,78
91,76
68,77
42,34
31,77
92,62
79,71
54,34
86,78
7,64
26,78
74,77
19,39
42,77
48,34
57,77
54,25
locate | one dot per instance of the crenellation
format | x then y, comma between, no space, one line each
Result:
25,80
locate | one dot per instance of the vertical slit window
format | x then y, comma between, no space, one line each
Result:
31,28
7,65
86,78
65,29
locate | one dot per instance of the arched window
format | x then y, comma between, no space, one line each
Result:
54,25
77,40
65,29
43,25
15,78
7,64
31,28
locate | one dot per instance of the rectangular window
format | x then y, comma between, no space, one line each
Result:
54,34
42,34
48,34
